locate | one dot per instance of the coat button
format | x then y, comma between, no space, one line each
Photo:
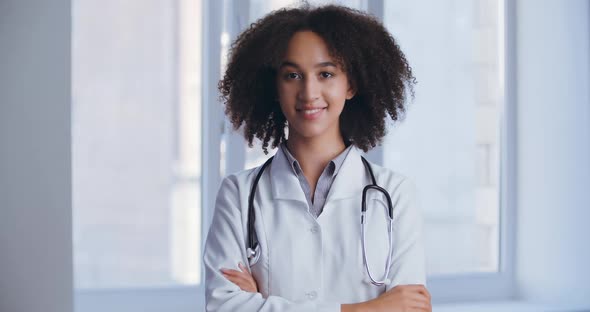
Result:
314,229
311,295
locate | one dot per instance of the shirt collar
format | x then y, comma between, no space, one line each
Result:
349,182
335,163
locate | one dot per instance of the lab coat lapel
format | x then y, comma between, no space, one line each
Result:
350,180
348,183
284,183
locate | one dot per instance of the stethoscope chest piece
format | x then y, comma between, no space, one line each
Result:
253,254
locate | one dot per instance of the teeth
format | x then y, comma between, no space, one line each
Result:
312,111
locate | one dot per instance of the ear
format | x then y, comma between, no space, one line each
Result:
350,93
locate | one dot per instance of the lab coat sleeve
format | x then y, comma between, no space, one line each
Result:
224,248
408,262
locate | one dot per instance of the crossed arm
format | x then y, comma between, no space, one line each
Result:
402,298
234,289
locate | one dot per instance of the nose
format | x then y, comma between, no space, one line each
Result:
310,90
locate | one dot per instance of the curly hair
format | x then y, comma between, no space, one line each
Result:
375,66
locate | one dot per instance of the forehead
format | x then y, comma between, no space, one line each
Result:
306,48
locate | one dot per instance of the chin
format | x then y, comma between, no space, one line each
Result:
310,132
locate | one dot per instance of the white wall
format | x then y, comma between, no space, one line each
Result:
553,226
35,185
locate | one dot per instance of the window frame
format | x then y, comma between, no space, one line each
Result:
500,285
445,289
180,298
497,285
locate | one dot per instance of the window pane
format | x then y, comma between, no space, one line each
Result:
136,143
449,142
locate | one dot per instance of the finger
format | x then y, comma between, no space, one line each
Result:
233,275
245,279
243,268
231,272
415,296
244,285
236,272
412,286
424,291
244,274
412,297
238,276
421,306
227,271
418,288
233,280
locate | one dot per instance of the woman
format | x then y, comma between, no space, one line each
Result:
330,76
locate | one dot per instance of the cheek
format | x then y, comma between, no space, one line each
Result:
285,91
284,100
337,91
284,108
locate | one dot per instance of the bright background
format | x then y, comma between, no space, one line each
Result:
105,110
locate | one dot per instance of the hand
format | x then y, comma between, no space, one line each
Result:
243,279
402,298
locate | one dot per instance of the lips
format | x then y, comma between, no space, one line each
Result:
311,112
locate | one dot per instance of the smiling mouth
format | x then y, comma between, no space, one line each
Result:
311,111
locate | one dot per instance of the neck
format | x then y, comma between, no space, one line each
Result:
314,154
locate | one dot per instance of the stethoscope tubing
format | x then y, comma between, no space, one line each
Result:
253,240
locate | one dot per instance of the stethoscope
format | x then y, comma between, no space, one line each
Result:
252,251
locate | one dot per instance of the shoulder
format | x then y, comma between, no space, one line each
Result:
239,180
403,193
393,181
234,189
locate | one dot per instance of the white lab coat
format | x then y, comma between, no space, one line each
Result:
309,264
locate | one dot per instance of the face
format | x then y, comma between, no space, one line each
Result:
312,88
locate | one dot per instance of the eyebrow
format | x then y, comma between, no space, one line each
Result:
322,64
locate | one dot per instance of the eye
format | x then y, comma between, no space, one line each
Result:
293,76
326,74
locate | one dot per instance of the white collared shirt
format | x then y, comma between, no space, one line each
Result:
316,206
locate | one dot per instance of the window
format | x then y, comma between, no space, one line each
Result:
455,141
136,126
450,140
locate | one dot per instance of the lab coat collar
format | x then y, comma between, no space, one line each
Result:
348,183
